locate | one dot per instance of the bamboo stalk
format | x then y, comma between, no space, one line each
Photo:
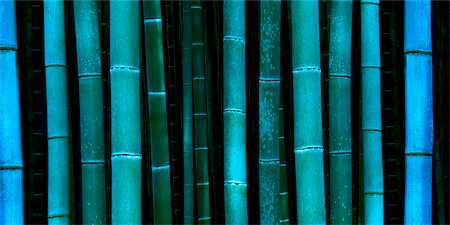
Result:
159,137
188,131
269,112
11,162
234,113
419,128
91,112
126,149
284,195
371,113
308,139
340,133
57,112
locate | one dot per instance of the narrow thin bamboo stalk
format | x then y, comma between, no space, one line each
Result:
419,127
284,195
188,131
234,112
57,112
157,108
91,112
340,133
11,161
308,138
200,115
371,113
126,152
269,112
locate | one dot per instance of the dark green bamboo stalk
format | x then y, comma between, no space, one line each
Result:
284,195
419,127
11,162
340,132
157,108
57,112
91,112
234,112
308,140
188,131
371,113
200,115
269,112
126,149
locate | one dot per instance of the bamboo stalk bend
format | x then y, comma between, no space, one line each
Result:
91,112
308,138
419,128
57,112
269,112
157,108
234,112
371,113
340,131
126,152
11,161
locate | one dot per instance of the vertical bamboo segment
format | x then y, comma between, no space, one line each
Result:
308,138
126,149
188,131
200,115
234,113
91,112
419,112
269,112
157,108
11,162
340,132
57,112
371,113
284,195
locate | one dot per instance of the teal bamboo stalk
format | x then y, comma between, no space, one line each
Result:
11,162
308,139
371,113
269,112
91,112
188,131
284,194
234,113
419,127
340,131
200,115
57,112
157,108
126,149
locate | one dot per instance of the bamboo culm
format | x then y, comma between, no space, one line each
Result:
188,144
11,162
91,112
234,112
157,109
308,138
419,129
57,112
126,152
269,112
340,131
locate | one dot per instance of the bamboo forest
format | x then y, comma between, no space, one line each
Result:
224,112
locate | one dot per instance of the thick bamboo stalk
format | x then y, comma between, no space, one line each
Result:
340,133
201,146
419,128
188,131
91,112
157,108
234,112
308,139
57,112
11,162
269,112
371,113
126,149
